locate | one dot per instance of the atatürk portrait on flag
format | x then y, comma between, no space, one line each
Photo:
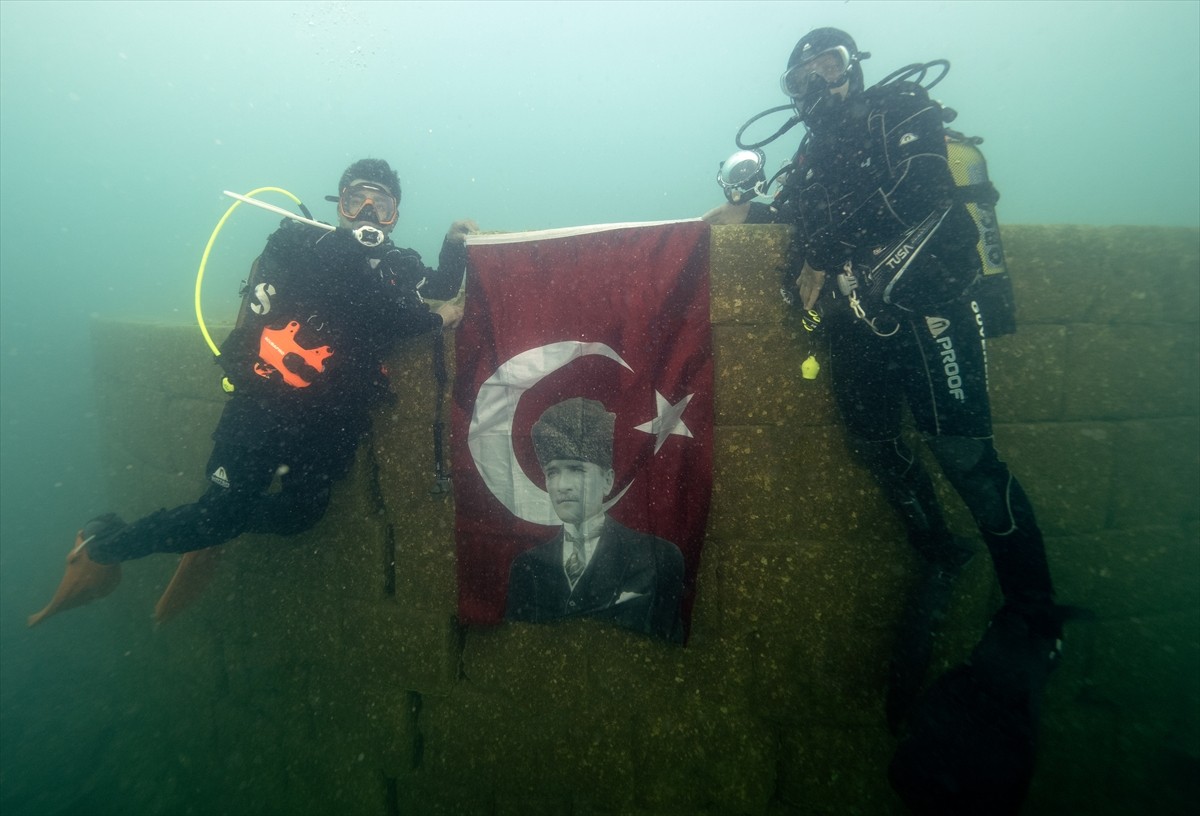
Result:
595,566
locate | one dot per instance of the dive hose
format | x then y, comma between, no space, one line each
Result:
784,128
246,199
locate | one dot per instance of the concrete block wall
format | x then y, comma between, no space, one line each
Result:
327,673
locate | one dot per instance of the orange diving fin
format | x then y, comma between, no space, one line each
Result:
85,580
192,576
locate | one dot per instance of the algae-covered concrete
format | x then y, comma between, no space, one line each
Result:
327,674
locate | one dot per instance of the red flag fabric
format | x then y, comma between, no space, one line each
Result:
600,337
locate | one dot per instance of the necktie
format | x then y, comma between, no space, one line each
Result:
575,561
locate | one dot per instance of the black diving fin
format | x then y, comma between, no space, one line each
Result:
970,744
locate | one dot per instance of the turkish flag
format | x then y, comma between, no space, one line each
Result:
617,314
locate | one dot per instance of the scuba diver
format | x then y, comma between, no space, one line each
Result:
884,256
322,308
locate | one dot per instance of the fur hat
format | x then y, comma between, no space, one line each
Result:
575,429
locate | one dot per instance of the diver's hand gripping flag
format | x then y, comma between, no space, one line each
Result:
613,313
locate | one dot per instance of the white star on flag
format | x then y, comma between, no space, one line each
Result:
669,420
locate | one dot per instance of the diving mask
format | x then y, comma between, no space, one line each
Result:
358,197
829,69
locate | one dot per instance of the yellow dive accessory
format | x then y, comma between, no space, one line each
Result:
208,249
811,321
248,198
810,368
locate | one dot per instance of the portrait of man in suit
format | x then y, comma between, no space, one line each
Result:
594,567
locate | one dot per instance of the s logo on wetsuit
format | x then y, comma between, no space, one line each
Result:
262,296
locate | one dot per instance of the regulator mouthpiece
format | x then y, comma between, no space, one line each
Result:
368,236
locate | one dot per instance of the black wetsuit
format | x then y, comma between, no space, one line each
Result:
870,168
305,361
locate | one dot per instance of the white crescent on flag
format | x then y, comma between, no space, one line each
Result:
491,430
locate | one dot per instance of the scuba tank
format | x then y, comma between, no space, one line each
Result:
979,195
